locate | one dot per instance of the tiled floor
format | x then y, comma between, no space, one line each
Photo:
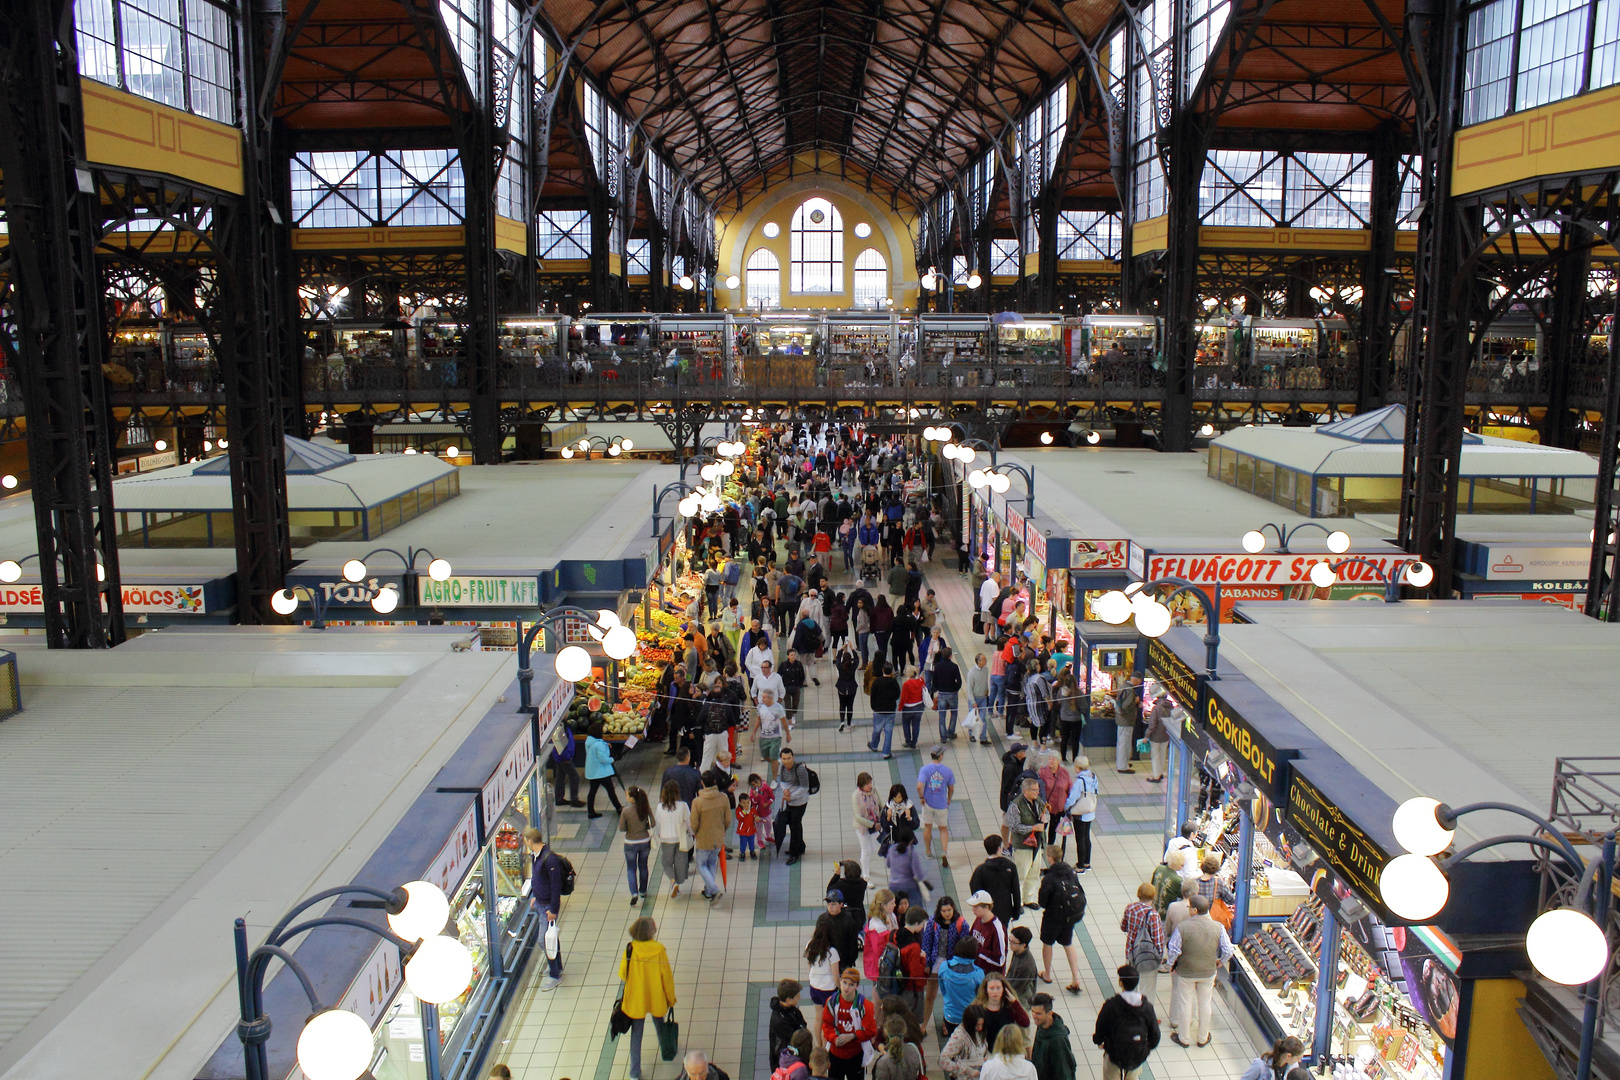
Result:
729,955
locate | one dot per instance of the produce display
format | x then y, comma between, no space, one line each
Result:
618,721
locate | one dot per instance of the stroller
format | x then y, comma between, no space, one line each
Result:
871,563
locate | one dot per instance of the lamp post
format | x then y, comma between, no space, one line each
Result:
336,1044
1567,945
1254,541
1153,616
995,478
1413,572
609,447
573,663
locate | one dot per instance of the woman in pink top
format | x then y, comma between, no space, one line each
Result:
1055,776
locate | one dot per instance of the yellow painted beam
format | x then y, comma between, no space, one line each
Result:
387,236
1572,136
1150,235
511,235
129,132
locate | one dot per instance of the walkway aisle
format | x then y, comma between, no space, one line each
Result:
729,955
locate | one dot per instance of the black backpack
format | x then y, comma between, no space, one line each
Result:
1071,897
1128,1041
815,782
569,877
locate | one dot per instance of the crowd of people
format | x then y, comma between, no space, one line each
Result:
890,967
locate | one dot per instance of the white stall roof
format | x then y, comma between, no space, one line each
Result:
1166,502
524,517
1365,446
368,481
154,792
1462,701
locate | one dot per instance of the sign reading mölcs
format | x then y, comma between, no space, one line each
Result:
479,592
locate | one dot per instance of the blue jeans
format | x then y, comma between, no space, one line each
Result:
554,965
708,864
998,692
637,1026
911,724
882,725
945,702
635,866
862,641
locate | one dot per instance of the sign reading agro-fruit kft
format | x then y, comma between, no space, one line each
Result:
479,592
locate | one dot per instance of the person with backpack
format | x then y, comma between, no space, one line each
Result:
907,874
959,982
1127,1029
1063,903
899,1059
553,879
797,782
848,1026
1082,811
876,937
1144,935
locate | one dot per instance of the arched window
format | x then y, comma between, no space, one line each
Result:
871,279
764,282
818,248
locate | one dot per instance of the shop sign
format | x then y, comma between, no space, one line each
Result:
1571,600
1225,568
1098,554
1136,561
350,593
1173,672
457,855
515,766
1255,756
479,592
138,599
1344,844
1503,562
374,988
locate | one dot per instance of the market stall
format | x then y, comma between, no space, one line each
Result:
953,350
1029,350
1118,349
1316,957
700,343
1509,356
1105,656
861,348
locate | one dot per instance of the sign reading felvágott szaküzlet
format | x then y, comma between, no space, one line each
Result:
479,592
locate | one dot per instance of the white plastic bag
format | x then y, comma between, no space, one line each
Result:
553,941
974,723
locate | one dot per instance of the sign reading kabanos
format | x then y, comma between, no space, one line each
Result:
1255,756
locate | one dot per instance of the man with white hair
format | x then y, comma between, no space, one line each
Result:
699,1067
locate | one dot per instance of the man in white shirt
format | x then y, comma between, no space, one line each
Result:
768,681
771,730
1178,844
987,596
760,657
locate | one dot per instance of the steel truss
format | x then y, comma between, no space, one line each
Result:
54,334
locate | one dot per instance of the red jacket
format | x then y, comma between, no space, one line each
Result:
840,1017
915,966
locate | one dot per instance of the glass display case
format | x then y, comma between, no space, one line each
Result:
1029,349
1213,365
861,349
193,366
507,857
1509,357
440,347
785,348
531,348
953,350
1118,349
699,344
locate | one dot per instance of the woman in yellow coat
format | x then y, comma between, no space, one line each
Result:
649,985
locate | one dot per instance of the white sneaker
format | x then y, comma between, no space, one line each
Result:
549,983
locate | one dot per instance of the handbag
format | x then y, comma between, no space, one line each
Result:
618,1022
1221,912
669,1036
1143,747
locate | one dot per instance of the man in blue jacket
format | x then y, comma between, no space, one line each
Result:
545,893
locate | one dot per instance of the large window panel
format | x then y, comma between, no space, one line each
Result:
1088,234
174,52
764,280
461,19
1552,51
638,257
1329,191
334,190
1411,192
817,256
1242,188
1606,45
1488,61
421,187
1004,260
563,234
871,279
1206,19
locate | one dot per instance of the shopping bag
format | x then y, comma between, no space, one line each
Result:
553,941
1221,912
669,1037
1143,747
